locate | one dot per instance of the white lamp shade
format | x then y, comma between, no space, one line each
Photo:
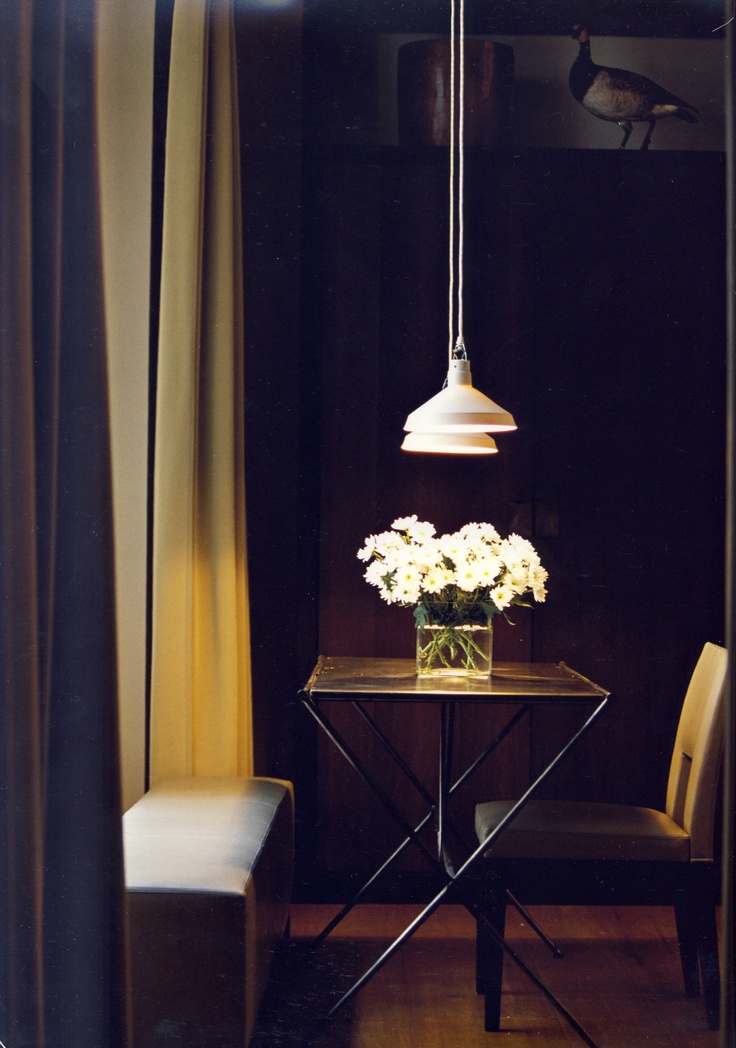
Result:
450,443
459,408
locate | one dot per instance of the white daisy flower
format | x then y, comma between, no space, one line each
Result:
404,523
488,569
466,576
502,596
436,579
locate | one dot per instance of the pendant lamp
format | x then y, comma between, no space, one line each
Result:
456,420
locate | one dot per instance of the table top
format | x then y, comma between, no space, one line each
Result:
395,680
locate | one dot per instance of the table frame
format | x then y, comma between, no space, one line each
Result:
356,681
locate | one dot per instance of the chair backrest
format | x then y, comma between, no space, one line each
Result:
692,787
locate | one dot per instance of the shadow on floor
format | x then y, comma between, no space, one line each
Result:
303,986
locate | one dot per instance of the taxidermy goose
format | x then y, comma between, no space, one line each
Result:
621,96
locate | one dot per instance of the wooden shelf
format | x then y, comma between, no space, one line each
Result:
509,17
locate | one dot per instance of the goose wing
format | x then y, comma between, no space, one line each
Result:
619,95
643,87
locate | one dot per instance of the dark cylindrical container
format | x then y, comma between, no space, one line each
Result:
423,85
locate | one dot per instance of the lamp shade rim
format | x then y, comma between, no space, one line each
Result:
464,423
440,443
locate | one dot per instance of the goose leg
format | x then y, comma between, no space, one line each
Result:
627,126
648,135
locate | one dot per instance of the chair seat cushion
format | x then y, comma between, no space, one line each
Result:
580,830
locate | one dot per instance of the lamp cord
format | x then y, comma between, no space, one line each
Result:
451,300
461,179
456,346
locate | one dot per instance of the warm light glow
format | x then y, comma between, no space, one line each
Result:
450,443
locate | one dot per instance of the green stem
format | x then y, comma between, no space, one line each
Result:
443,646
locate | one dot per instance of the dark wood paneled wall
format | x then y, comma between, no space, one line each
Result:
281,574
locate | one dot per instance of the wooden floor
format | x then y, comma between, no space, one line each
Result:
620,977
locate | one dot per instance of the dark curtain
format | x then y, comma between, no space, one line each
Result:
62,957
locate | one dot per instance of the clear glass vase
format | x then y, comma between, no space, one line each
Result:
454,651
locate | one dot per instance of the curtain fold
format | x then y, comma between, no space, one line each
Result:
62,954
201,720
21,883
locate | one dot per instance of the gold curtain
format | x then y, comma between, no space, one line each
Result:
201,722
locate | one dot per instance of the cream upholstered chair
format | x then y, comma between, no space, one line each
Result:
573,852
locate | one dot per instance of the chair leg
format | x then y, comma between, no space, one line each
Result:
482,942
709,968
687,938
489,956
695,915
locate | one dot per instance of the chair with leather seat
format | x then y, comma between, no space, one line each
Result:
574,852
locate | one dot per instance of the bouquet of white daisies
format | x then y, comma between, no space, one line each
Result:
468,576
